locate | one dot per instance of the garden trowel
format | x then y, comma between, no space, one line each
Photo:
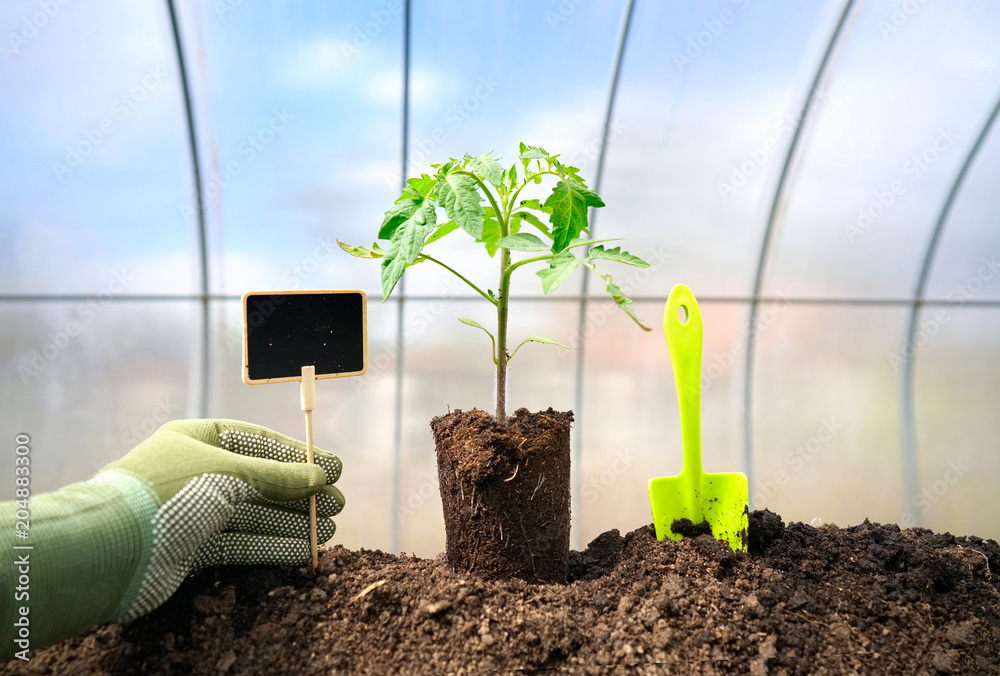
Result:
720,499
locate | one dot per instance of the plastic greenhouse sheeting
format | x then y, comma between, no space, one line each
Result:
823,175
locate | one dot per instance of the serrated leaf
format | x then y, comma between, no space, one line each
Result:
487,166
533,153
622,301
397,214
536,339
534,204
422,185
580,241
449,227
445,167
616,254
568,203
522,241
360,251
567,170
512,177
459,196
491,232
560,269
518,216
406,243
474,323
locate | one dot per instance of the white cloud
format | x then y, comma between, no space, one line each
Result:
318,63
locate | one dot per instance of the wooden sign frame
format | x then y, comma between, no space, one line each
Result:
307,375
278,297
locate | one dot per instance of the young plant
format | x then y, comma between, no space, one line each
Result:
460,188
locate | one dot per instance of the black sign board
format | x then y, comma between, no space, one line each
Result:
286,330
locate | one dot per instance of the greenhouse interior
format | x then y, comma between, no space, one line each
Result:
822,175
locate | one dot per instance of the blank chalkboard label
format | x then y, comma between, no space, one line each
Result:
286,330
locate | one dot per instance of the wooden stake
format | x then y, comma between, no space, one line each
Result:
308,392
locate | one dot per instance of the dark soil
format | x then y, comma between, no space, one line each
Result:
865,599
689,529
505,491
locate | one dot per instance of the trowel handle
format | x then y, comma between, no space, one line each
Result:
683,331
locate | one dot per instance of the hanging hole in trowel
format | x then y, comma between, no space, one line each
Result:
682,314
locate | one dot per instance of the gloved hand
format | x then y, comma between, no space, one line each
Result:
196,493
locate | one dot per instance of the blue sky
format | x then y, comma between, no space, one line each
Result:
704,85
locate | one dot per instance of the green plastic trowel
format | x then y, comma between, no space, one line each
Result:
721,499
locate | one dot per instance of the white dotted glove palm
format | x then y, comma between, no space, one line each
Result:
197,493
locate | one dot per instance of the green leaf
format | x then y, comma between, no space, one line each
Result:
491,232
474,323
568,203
487,166
458,194
533,153
622,301
399,212
523,242
406,243
534,204
567,171
518,216
360,251
449,227
616,254
559,270
421,186
512,177
580,241
536,339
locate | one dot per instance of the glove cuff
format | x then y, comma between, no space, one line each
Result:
90,543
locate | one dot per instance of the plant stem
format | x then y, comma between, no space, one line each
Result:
515,266
459,275
503,301
502,304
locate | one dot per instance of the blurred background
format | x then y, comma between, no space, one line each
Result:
824,175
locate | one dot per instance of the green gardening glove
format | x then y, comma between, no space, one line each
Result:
196,493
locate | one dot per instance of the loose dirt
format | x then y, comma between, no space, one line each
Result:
868,599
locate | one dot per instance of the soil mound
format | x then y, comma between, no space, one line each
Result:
869,598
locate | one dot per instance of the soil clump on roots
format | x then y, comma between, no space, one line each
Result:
869,598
